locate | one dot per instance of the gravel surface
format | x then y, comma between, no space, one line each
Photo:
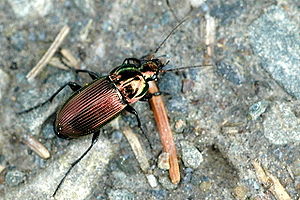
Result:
242,110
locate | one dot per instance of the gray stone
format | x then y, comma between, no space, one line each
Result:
14,178
166,183
25,8
281,126
190,155
81,181
275,39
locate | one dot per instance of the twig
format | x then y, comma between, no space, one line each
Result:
2,171
210,35
56,62
67,60
1,168
70,58
136,146
50,52
271,182
166,136
36,146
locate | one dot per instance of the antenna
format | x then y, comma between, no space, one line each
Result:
173,30
186,67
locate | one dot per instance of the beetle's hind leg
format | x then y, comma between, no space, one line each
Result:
73,85
93,75
94,140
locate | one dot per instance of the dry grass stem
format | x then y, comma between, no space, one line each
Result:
270,182
70,59
48,55
36,146
137,148
210,36
55,61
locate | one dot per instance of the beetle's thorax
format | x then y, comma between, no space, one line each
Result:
130,83
131,78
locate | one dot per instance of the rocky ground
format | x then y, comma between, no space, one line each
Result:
236,124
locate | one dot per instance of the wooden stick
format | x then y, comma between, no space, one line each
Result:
50,52
165,132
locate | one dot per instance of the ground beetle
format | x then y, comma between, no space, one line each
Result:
92,106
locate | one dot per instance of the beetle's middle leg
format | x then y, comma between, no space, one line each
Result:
73,85
130,109
94,140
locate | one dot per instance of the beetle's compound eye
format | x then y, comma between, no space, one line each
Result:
160,63
154,77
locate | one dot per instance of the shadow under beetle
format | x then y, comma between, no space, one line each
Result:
92,106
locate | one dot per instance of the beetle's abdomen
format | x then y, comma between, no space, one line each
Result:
89,109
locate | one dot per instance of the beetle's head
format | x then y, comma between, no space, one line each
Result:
150,68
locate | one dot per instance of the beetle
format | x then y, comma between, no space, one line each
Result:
97,103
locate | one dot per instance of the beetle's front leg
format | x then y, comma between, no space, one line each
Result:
150,95
134,60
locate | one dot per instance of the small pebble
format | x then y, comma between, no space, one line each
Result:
152,180
191,156
180,125
274,38
205,186
1,168
14,178
166,183
257,109
163,161
196,3
240,192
